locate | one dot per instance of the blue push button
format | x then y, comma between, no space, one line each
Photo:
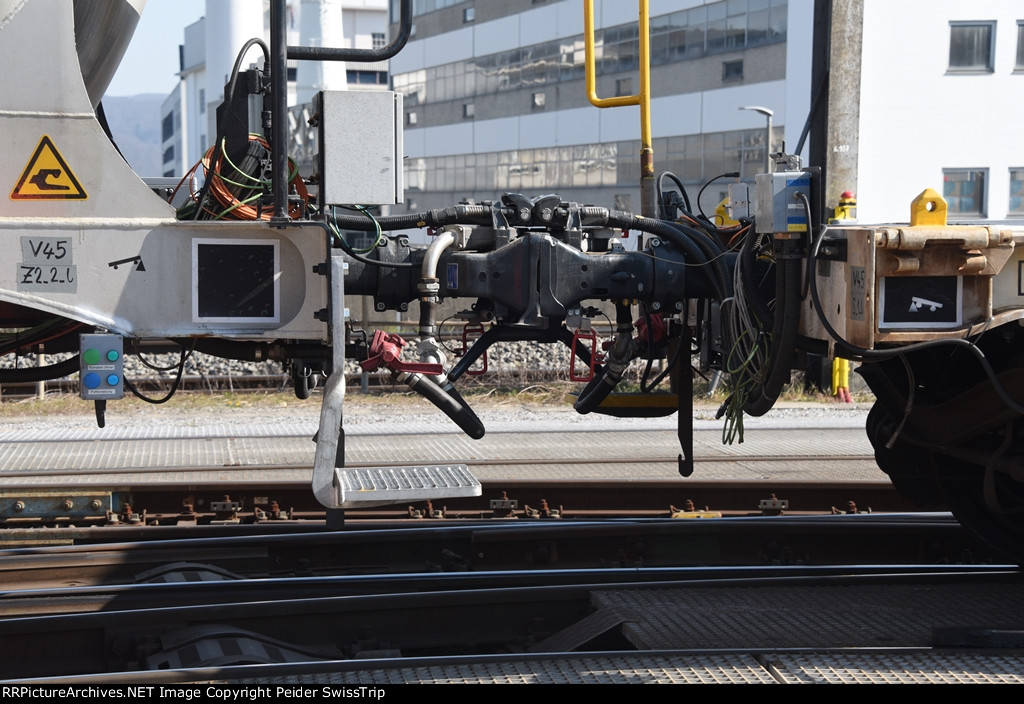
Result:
91,380
113,355
113,379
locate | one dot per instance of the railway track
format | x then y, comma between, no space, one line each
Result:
293,608
774,582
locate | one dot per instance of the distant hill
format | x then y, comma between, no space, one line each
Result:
135,124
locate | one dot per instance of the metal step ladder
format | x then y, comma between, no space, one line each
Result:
351,487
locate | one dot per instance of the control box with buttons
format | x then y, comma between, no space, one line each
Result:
102,366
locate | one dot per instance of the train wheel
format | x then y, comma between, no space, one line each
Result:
909,467
988,501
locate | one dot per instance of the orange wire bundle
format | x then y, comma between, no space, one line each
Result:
220,193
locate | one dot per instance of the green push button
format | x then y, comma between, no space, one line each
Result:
91,356
112,356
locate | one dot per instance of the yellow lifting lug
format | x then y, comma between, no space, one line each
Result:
929,208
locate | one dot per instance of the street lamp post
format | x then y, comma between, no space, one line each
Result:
768,142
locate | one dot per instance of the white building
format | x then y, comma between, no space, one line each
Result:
212,43
495,99
942,94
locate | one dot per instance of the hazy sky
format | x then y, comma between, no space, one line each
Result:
151,62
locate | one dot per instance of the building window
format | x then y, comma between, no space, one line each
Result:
1019,64
679,36
202,101
732,71
964,191
378,40
410,118
169,154
167,128
971,46
468,110
373,78
469,14
1016,192
623,87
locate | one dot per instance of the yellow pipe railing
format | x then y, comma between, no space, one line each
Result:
643,98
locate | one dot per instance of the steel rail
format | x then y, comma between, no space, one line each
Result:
448,623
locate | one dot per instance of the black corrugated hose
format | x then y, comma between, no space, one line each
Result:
31,374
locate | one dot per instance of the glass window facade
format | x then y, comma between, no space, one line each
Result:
971,46
1019,63
689,34
1016,192
693,158
965,191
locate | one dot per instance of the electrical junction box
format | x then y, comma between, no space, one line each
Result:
898,284
361,151
101,366
777,205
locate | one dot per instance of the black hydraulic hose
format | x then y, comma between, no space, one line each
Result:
456,215
428,316
785,333
451,404
694,251
616,362
661,192
32,374
596,391
715,253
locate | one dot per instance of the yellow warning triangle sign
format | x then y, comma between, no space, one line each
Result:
47,176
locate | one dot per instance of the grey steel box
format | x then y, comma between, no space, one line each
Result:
360,147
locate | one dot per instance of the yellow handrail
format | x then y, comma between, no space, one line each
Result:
643,98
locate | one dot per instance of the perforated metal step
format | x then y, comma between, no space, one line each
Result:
378,486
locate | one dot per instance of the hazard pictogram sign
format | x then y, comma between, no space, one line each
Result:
47,176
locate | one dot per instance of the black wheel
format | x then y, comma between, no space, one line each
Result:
303,381
988,502
992,509
909,467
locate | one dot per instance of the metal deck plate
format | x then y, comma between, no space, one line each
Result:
665,668
898,668
612,668
367,486
862,616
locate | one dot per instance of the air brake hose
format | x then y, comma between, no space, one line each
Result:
616,363
450,403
